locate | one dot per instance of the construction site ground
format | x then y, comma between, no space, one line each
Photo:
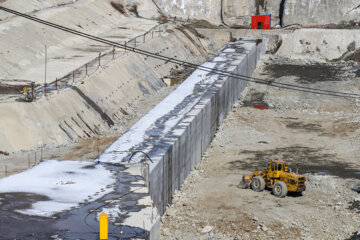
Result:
87,149
319,132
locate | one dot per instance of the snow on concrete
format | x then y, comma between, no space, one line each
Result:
229,50
137,134
65,183
112,213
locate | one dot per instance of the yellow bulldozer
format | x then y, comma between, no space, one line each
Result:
278,177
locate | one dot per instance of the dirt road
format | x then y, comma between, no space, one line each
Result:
319,132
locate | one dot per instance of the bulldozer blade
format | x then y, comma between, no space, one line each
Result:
244,183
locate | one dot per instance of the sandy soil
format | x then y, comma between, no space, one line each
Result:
321,133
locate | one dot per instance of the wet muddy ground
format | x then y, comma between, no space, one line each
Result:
305,73
79,223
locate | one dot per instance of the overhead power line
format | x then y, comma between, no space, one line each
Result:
166,59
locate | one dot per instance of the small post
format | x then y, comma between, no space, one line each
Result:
99,58
125,46
104,224
144,37
73,75
56,84
86,69
113,53
45,68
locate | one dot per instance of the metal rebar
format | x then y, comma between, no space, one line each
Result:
56,85
113,53
99,58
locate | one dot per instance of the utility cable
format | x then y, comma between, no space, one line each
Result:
174,60
184,63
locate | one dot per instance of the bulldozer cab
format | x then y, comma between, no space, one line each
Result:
276,167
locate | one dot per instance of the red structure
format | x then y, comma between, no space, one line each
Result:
261,22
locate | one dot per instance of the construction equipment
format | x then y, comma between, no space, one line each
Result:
278,177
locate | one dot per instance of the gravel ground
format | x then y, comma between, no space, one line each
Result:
319,132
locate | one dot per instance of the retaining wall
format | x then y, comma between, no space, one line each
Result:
179,129
181,149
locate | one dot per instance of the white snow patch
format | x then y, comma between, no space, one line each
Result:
66,183
219,59
112,213
229,50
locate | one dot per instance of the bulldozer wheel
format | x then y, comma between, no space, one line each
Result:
257,184
280,189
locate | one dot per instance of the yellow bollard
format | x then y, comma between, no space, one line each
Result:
104,224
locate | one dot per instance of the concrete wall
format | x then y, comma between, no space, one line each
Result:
181,149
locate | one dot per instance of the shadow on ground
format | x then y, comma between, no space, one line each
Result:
311,160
